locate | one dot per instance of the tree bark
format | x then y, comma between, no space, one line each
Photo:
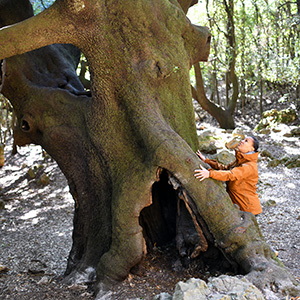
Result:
139,120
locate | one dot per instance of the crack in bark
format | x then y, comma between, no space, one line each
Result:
2,73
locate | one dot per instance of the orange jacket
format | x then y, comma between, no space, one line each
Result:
241,177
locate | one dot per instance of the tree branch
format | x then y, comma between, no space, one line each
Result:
197,43
199,93
186,4
286,3
2,73
48,27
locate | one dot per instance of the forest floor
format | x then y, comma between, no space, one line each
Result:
36,227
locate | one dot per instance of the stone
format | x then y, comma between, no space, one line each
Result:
206,135
193,289
233,143
271,203
163,296
271,119
287,115
273,163
36,267
284,159
208,148
265,131
283,128
32,172
218,288
230,287
3,269
237,136
44,179
295,131
293,162
287,134
225,157
207,142
44,280
238,132
266,153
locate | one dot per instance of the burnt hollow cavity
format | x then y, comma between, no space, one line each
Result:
169,224
25,126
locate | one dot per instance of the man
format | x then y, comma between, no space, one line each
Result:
241,175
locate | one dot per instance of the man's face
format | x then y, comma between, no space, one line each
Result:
246,145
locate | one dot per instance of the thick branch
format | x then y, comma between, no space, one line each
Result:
223,116
186,4
197,43
46,28
199,94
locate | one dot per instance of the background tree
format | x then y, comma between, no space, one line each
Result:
120,145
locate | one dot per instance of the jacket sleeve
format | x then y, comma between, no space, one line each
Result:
217,166
236,173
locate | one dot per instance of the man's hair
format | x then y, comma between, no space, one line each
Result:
255,143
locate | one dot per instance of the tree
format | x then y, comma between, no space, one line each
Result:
119,147
224,116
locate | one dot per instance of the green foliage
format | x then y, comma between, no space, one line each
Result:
40,5
267,42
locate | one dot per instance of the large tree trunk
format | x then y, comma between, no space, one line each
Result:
137,128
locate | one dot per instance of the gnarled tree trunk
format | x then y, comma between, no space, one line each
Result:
119,147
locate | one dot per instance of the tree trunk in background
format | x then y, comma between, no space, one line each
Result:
117,147
229,8
222,115
261,91
215,89
227,88
259,47
243,48
298,36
